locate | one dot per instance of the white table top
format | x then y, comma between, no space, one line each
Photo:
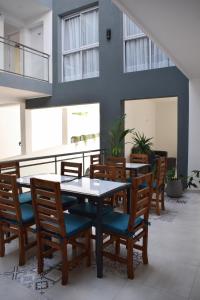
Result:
135,166
52,177
84,186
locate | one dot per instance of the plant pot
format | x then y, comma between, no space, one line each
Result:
174,188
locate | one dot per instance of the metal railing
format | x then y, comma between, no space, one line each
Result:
51,163
22,60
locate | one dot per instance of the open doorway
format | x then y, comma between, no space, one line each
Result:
156,118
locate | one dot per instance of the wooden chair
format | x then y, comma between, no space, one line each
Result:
139,158
55,229
15,218
89,209
95,159
12,167
159,184
129,229
70,169
120,164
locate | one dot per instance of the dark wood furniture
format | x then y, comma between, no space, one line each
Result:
95,159
56,229
129,229
15,218
12,167
159,184
71,169
95,190
139,158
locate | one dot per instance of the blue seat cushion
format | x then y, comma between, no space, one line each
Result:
144,185
75,224
88,209
118,223
27,213
68,201
25,198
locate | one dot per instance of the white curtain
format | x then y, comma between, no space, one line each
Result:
90,63
90,28
72,34
72,64
131,28
158,58
137,54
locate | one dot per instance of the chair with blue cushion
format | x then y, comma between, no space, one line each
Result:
89,209
129,229
56,229
15,218
157,201
70,169
12,167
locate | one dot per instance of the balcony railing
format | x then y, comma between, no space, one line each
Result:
51,163
22,60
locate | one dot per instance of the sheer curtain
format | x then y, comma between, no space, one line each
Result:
137,54
71,61
90,37
158,58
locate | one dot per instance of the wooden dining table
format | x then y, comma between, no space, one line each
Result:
93,189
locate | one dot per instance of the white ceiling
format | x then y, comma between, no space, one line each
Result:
10,95
24,10
174,25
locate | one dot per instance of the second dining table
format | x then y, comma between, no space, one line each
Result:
92,189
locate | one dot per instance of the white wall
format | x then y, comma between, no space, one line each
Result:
10,134
194,121
155,118
46,128
166,127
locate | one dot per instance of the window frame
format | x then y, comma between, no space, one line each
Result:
136,37
82,48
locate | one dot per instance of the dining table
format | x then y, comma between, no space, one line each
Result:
92,189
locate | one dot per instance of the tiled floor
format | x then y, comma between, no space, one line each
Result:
173,272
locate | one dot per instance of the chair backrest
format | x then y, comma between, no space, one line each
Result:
46,198
95,159
139,158
120,164
104,172
11,167
9,202
141,195
71,169
161,169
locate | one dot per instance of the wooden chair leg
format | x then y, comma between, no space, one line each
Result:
130,270
40,256
64,263
145,248
2,242
162,201
88,247
21,247
157,204
26,237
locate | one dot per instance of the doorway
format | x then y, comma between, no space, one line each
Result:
156,118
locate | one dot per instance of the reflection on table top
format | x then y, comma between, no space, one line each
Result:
84,185
136,165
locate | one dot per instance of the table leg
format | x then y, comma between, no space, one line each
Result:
99,239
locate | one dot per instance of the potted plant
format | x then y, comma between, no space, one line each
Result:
194,179
117,135
141,143
174,187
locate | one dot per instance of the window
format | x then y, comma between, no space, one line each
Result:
81,45
140,53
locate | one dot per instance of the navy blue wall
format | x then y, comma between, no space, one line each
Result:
113,86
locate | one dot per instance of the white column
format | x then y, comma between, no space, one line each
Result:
64,126
28,131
